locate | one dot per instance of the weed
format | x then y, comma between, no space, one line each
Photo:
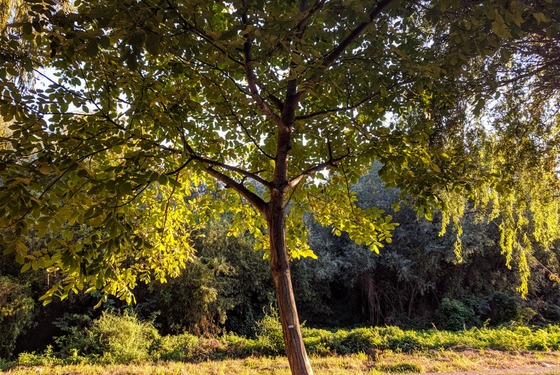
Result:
400,368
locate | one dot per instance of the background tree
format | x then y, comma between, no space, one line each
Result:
275,107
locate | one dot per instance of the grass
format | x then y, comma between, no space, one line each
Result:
385,362
106,348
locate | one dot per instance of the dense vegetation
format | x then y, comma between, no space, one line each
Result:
136,136
124,339
223,303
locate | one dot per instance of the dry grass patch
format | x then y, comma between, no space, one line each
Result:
386,362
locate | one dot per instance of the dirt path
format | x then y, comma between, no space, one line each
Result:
547,369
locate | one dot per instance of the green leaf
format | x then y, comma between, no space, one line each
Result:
541,18
92,47
499,27
153,43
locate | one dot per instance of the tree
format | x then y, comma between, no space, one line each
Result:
151,115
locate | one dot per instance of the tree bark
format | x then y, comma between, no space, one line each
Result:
280,267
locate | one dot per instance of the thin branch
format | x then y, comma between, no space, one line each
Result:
52,82
338,109
332,56
251,81
154,143
222,71
348,192
140,189
300,26
331,163
201,34
166,211
242,125
529,73
180,168
348,107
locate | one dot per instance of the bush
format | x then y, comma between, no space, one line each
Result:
5,364
408,342
551,313
270,339
318,341
455,315
357,340
16,314
113,339
47,358
176,347
504,308
76,338
400,368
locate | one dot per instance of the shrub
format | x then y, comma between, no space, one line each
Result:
318,341
357,340
503,308
16,314
270,339
176,347
5,364
76,338
551,313
455,315
239,346
47,358
113,339
401,368
407,343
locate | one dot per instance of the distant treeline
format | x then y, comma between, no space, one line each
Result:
415,282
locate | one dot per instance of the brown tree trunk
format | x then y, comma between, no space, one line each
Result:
280,267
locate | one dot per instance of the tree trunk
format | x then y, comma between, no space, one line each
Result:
280,267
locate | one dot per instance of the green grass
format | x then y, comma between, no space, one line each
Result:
362,350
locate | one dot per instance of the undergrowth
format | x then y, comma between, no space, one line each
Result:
124,339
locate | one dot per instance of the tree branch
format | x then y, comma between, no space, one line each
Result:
243,172
302,24
253,198
251,81
348,107
531,73
331,163
331,57
338,109
201,33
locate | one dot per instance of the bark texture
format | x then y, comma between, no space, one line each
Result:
280,267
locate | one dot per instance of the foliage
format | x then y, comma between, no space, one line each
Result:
269,334
504,308
176,347
226,285
223,88
401,368
17,310
372,341
405,283
454,315
47,358
5,364
277,109
112,339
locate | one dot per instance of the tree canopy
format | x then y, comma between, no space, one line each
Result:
131,121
